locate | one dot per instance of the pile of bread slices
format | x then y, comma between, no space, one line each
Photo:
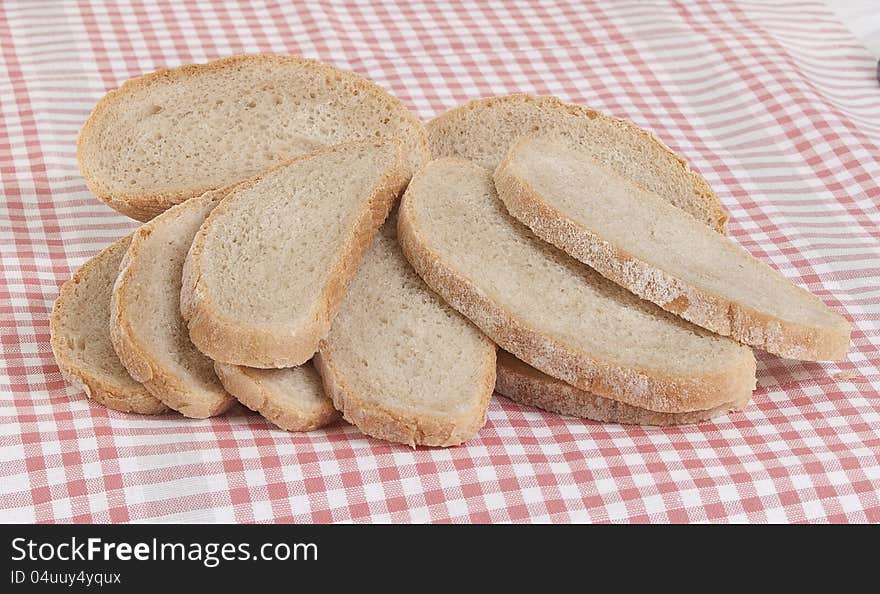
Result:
312,250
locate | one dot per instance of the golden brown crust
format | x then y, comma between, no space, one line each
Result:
108,394
144,205
141,207
136,358
436,129
395,426
226,341
632,385
525,384
711,311
258,397
128,397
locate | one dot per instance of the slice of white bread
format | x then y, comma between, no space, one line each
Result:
524,384
400,363
81,337
292,399
146,327
268,268
638,240
482,130
175,133
553,312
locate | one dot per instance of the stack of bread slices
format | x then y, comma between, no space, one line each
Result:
313,251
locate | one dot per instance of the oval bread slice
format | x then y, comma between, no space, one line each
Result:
268,268
81,337
175,133
553,312
641,242
400,363
524,384
483,130
292,399
146,327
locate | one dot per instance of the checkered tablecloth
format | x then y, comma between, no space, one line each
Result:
776,104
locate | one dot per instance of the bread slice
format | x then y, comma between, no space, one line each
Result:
292,399
269,266
551,311
175,133
524,384
146,327
81,337
401,364
641,242
482,130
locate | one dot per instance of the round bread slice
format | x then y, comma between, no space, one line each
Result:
553,312
146,327
483,130
81,337
175,133
400,363
523,383
292,399
268,268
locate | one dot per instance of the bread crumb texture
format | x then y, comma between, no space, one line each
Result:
641,242
406,366
80,336
553,312
482,131
173,134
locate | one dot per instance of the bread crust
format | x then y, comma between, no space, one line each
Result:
706,309
114,395
632,385
135,357
143,205
524,384
258,397
226,341
436,129
384,423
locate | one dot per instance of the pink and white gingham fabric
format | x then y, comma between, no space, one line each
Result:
774,103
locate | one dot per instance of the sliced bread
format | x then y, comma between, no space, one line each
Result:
268,268
524,384
292,399
401,364
146,327
80,332
553,312
638,240
482,130
175,133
